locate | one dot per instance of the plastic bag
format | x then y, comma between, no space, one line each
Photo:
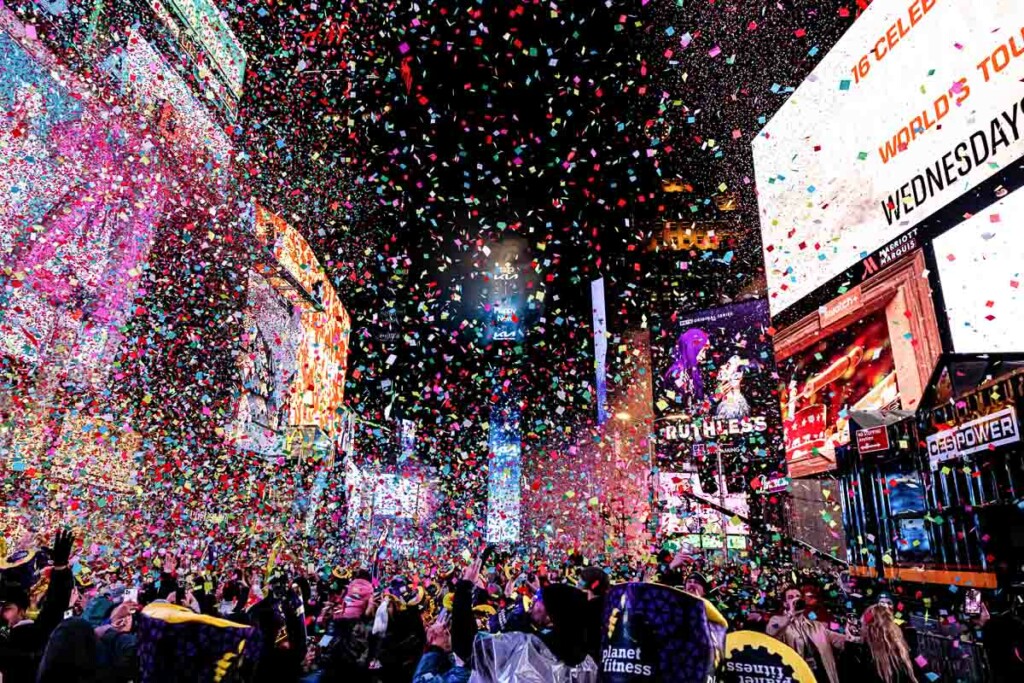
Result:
524,658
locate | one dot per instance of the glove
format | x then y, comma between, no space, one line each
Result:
62,544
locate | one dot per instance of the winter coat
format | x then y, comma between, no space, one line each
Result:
436,666
350,652
21,650
70,655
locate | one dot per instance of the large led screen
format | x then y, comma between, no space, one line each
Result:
715,382
73,235
919,101
981,269
852,369
872,347
267,367
504,470
318,391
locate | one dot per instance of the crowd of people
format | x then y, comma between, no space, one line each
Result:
493,617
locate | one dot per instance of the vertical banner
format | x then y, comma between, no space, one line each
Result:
600,348
503,474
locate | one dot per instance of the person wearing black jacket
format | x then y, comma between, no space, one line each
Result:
557,616
21,650
1003,638
595,582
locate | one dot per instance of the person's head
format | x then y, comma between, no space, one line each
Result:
357,599
594,581
70,655
792,599
167,589
696,584
539,612
884,639
15,600
810,594
302,588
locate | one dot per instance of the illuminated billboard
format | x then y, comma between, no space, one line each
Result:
74,236
981,271
600,348
147,80
870,348
318,390
504,300
217,58
852,369
688,513
504,467
715,383
919,101
267,366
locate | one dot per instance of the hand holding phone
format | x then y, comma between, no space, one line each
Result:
972,602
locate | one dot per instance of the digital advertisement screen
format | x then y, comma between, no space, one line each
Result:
981,271
318,392
600,347
685,499
504,469
146,77
851,369
873,346
504,296
400,496
919,101
73,237
267,367
714,382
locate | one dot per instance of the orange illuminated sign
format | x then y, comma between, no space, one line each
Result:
318,390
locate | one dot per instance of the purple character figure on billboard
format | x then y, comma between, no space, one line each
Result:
684,374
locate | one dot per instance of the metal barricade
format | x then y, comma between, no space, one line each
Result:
954,660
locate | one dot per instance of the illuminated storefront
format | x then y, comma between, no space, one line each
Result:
935,496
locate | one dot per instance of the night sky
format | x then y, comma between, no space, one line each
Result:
408,138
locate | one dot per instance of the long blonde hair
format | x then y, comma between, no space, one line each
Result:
885,641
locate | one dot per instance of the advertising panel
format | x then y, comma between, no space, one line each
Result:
504,302
852,369
681,494
73,235
997,428
919,101
398,495
974,424
870,348
716,382
267,367
504,469
218,58
97,452
148,81
981,270
318,392
600,348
